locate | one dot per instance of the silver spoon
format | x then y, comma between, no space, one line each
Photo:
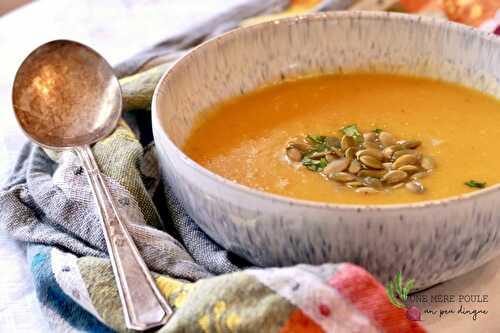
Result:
66,96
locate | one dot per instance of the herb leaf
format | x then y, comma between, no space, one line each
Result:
378,130
353,130
319,139
392,296
314,165
473,183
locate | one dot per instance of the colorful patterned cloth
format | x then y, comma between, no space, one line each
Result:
47,204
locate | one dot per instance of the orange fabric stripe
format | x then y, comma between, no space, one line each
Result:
300,323
370,298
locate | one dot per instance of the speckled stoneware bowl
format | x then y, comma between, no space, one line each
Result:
430,241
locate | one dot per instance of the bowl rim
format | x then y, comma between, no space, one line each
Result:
291,201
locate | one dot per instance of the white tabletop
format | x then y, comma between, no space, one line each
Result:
118,29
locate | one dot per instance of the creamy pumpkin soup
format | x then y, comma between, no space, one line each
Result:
355,139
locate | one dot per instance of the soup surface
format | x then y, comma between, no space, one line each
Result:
244,139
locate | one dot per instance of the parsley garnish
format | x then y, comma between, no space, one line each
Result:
473,183
314,165
378,130
319,139
352,130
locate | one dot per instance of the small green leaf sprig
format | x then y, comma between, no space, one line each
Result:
398,292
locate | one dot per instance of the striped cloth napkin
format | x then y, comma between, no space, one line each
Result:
47,204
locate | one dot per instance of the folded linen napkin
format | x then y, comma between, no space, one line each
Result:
47,204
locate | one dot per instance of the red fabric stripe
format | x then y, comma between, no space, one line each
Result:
370,298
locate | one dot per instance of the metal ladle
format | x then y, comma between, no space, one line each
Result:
66,96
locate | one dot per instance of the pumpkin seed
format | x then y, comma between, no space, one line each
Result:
332,141
410,143
370,136
390,151
415,186
366,190
342,177
319,155
337,151
402,152
294,154
346,142
387,166
355,184
394,176
354,167
336,166
387,139
409,168
404,160
300,146
330,157
420,175
372,173
371,162
350,153
398,186
427,163
373,182
370,152
371,145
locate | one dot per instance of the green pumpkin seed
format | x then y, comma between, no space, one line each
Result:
300,146
373,182
371,162
355,184
372,173
336,166
330,157
420,175
371,145
350,153
294,154
366,190
387,139
342,177
394,176
354,167
409,168
387,166
346,142
404,160
370,152
332,141
410,144
402,152
427,163
415,187
370,136
337,151
390,151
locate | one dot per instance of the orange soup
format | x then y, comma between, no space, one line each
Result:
245,138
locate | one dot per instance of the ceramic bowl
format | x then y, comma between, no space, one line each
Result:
429,241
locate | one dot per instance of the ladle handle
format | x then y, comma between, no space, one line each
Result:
143,305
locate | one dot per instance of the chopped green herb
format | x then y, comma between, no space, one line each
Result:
322,163
314,165
473,183
319,139
378,130
352,130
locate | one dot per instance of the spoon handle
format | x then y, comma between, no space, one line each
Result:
143,305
